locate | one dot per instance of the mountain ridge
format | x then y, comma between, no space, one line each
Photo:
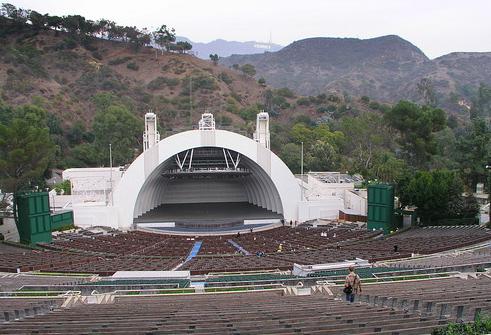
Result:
387,68
225,48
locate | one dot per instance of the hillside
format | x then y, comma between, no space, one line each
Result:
387,68
225,48
66,77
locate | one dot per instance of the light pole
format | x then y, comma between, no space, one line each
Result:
301,169
111,171
488,167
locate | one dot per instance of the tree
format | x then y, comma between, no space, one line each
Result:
474,152
164,36
122,129
248,70
261,81
54,22
434,194
38,21
321,146
214,58
427,92
26,148
73,24
365,136
19,16
115,32
386,167
416,125
85,155
481,104
181,47
290,154
76,134
321,156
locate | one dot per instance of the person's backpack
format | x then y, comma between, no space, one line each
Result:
348,289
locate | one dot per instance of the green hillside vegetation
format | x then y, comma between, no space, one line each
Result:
89,83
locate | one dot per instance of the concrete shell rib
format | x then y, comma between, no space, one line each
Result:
141,188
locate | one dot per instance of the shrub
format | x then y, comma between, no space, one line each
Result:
326,109
321,98
280,102
482,325
179,70
225,78
68,43
236,96
18,84
224,120
249,113
232,107
97,55
285,92
160,82
333,98
199,82
68,60
87,44
119,60
303,101
374,105
29,56
132,66
91,82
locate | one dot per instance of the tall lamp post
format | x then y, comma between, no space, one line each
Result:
488,167
111,170
301,170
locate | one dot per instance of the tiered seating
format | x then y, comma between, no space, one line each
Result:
108,266
336,255
11,282
427,240
52,261
299,239
252,313
41,260
14,308
251,277
115,282
215,245
202,265
362,272
451,259
134,242
106,254
450,297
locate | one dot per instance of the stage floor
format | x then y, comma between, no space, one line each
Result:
204,215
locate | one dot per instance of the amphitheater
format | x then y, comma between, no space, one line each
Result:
112,282
222,255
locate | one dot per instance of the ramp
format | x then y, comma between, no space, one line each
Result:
239,247
194,251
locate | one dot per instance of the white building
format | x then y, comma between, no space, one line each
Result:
205,178
327,193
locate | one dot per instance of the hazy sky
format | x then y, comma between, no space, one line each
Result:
435,26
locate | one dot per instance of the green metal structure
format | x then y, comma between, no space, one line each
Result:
32,216
34,220
381,207
61,219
